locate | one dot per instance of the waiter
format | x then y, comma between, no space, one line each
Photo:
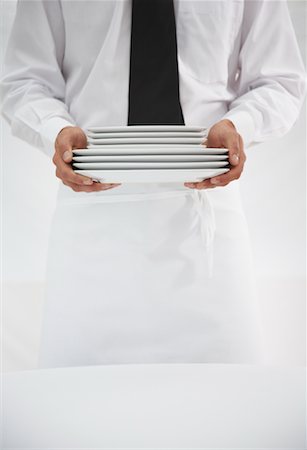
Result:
161,272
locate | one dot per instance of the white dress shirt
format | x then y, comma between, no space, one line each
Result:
67,63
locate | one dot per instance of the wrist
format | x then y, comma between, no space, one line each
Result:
229,123
245,124
50,130
65,128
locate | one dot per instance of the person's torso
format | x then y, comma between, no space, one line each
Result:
97,52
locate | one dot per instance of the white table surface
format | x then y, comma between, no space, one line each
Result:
155,406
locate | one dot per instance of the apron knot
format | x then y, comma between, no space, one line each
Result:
205,211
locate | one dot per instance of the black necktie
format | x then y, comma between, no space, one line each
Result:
153,82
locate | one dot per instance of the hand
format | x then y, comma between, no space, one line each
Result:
68,139
224,135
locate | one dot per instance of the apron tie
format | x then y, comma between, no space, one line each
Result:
205,211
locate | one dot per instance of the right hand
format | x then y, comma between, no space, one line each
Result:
68,139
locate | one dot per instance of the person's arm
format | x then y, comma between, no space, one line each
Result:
32,84
271,87
272,77
33,89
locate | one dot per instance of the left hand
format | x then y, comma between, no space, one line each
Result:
224,135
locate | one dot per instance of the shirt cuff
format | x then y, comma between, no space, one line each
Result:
49,132
244,124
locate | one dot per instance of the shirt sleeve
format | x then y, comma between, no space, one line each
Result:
32,85
271,84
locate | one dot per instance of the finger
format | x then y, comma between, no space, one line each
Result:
64,148
205,184
65,172
107,185
100,186
234,159
236,170
69,141
234,150
190,185
96,187
63,156
67,156
232,174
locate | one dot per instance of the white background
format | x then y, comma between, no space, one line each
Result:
273,187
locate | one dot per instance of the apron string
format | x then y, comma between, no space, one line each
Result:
206,214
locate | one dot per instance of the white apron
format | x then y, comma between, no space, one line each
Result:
150,273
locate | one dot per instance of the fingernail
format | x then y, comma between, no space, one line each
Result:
88,182
67,155
235,158
214,181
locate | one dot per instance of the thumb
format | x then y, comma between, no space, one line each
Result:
67,155
234,159
69,138
232,143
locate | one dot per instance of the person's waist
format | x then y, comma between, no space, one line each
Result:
124,192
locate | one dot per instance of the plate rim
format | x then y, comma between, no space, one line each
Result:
86,165
129,128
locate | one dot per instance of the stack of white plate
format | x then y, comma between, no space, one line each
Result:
153,153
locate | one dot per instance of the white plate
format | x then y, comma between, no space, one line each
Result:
144,140
151,176
146,134
150,165
149,149
147,158
133,128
